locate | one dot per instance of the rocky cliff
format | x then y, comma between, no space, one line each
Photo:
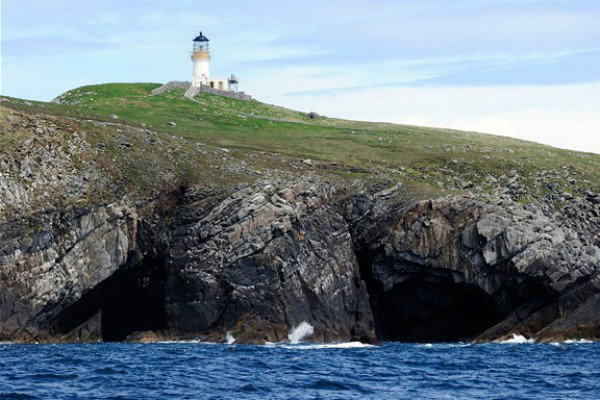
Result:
82,258
456,268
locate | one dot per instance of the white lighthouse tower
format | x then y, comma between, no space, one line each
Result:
201,60
202,82
201,72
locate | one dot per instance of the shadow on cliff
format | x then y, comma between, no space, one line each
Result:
437,305
427,307
131,300
428,279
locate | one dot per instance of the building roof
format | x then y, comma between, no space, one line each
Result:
201,38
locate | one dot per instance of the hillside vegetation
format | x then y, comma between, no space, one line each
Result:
243,140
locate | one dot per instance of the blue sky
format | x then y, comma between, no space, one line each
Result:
528,68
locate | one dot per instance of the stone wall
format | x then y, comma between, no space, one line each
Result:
226,93
171,85
201,89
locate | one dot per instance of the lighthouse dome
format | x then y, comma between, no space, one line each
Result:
201,38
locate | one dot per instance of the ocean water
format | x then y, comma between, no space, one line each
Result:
300,371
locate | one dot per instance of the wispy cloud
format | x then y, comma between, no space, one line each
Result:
562,68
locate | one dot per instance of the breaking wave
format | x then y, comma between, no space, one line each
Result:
517,339
229,338
300,332
343,345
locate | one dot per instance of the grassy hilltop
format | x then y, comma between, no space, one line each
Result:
223,141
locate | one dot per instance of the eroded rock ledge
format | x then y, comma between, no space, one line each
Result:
260,259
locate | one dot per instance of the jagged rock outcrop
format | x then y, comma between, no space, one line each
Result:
263,260
53,258
455,268
39,168
255,263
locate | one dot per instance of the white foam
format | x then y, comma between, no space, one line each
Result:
577,341
518,339
572,341
443,345
346,345
300,332
190,341
229,338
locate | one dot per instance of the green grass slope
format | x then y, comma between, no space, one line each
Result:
269,138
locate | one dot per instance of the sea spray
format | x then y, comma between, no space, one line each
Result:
518,339
229,338
300,332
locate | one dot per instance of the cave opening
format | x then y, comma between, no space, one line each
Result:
135,302
130,310
130,300
428,305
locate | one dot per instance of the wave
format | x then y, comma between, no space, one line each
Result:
572,341
283,345
517,339
229,339
345,345
303,346
191,341
300,332
577,341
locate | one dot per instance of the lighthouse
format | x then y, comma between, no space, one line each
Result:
201,71
201,60
202,82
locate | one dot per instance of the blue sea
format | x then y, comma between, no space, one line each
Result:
301,371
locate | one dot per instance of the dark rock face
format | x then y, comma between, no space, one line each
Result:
49,261
259,260
254,263
265,260
454,268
